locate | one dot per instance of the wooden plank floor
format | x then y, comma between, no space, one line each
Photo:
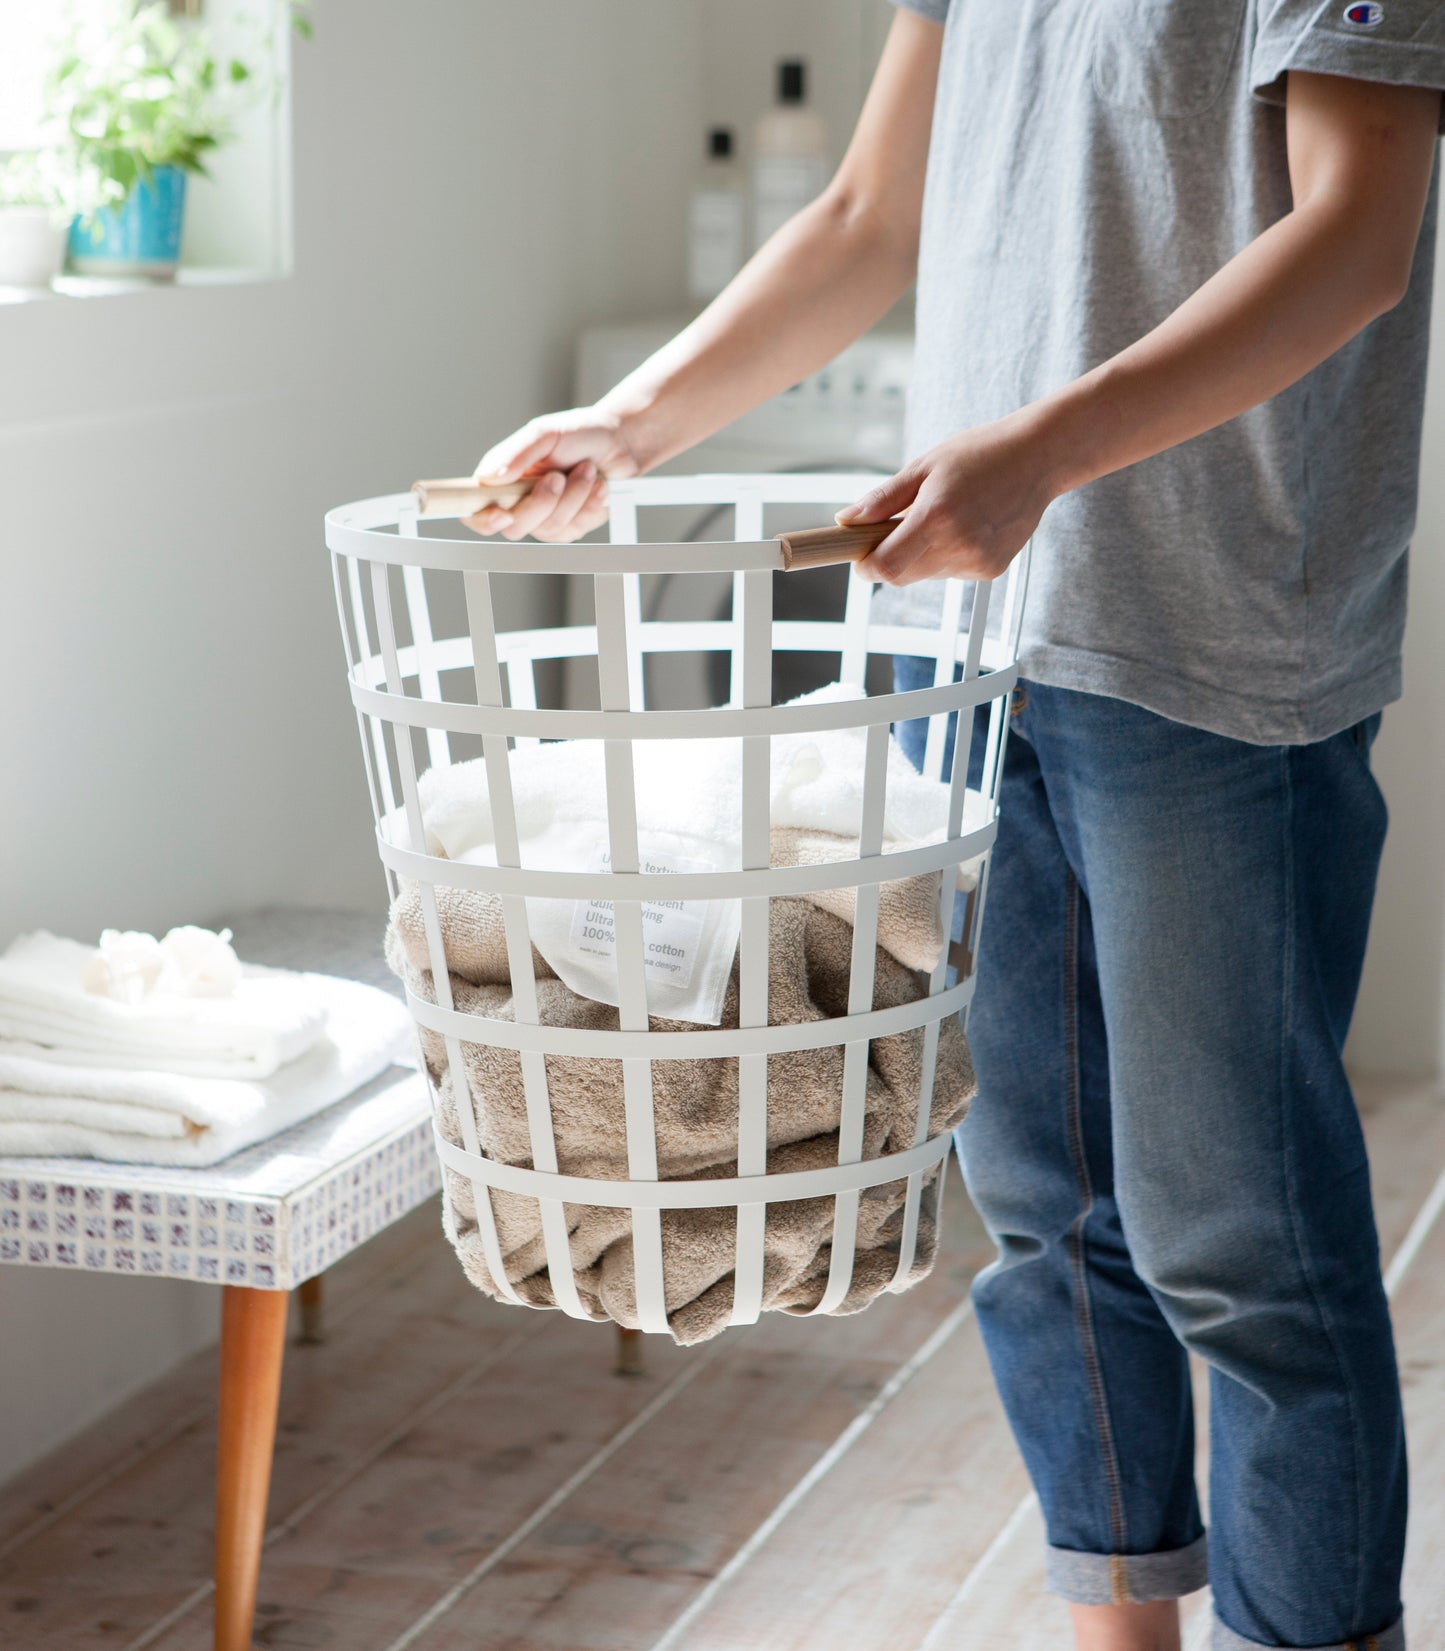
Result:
452,1475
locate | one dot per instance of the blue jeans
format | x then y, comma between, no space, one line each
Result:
1166,1152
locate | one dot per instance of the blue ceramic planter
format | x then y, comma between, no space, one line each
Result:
143,237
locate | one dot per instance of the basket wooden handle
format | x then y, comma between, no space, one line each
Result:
819,547
813,547
462,496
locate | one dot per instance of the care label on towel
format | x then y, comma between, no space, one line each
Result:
671,929
688,945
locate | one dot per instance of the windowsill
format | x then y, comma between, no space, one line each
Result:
118,286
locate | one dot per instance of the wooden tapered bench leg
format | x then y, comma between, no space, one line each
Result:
629,1360
313,1324
253,1340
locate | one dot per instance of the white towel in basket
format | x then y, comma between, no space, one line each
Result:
689,819
690,787
266,1022
55,1107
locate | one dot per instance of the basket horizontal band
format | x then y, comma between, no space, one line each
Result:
364,529
693,1195
720,722
706,1043
671,636
759,882
490,556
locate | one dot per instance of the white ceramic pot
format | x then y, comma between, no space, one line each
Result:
32,246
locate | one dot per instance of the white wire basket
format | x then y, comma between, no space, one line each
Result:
436,681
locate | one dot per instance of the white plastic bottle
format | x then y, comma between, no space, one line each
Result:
790,154
717,230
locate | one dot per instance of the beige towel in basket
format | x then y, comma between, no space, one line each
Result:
696,1104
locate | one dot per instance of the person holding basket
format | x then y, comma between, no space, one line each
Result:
1174,270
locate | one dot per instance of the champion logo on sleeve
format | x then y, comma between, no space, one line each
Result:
1365,15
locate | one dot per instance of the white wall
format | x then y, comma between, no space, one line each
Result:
744,40
475,179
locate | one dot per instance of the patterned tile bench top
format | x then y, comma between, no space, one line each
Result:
270,1216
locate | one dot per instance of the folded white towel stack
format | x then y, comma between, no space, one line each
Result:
44,999
162,1073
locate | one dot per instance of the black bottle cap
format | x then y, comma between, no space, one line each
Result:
792,82
720,143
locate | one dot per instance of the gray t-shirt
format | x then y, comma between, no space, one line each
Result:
1092,163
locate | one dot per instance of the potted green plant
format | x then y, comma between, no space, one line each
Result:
139,102
40,193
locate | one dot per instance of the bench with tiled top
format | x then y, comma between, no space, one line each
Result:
268,1220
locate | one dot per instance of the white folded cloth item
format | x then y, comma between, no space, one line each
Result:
52,1106
690,788
689,819
188,962
267,1020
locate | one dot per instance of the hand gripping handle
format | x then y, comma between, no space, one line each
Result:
812,547
462,496
817,547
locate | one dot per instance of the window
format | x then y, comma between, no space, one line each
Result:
237,221
26,31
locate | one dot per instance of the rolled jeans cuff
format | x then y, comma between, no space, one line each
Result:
1389,1639
1129,1579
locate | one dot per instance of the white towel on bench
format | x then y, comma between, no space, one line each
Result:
51,1106
271,1018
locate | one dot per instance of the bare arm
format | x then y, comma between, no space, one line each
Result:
820,282
823,279
1360,158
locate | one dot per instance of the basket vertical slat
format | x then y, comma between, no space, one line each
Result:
429,685
977,626
632,619
945,662
861,973
487,678
996,741
753,671
853,659
354,655
405,756
619,677
521,688
928,1067
1010,623
369,657
958,777
431,921
735,642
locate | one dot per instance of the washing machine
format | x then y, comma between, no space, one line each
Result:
847,417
